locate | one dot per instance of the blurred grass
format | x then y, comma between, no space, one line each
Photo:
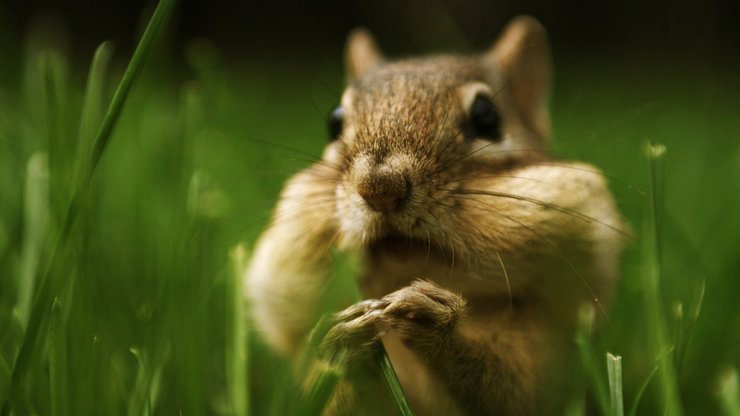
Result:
147,320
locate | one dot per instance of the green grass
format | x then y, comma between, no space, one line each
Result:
128,206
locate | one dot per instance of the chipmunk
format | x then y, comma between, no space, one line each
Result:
478,248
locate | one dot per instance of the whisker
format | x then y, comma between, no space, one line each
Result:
310,202
611,178
425,206
452,263
274,216
506,277
555,184
319,162
455,162
323,180
272,173
596,172
494,176
429,247
431,213
312,158
334,237
438,202
463,158
322,192
449,143
556,207
506,85
442,129
283,146
315,227
326,202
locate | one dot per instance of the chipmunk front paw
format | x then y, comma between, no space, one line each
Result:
423,314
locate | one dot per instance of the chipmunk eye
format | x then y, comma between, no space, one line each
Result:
485,118
335,122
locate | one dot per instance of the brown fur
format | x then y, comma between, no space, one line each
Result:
508,243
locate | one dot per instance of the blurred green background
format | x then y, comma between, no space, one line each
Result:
144,314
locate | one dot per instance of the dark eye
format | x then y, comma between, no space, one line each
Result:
335,122
485,119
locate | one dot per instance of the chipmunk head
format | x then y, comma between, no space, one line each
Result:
409,132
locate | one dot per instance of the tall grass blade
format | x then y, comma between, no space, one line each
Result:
658,341
236,345
641,392
144,395
323,376
394,386
344,268
321,386
58,365
59,143
614,370
587,357
694,310
41,301
4,376
92,103
36,226
161,13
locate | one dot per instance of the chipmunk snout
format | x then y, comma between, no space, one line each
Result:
384,191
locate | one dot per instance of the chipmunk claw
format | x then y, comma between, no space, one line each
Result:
359,309
355,330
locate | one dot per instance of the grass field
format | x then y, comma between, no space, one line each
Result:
129,301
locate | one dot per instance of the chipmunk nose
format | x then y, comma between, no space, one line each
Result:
384,192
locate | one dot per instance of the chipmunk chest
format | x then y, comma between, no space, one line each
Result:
389,271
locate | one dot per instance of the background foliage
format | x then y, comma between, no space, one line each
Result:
143,314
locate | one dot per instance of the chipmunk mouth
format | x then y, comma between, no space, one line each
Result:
395,243
402,246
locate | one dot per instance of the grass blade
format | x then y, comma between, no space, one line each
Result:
236,345
588,360
394,386
343,269
321,375
82,188
322,386
4,375
652,265
614,369
161,13
36,216
93,103
641,392
144,395
59,145
58,365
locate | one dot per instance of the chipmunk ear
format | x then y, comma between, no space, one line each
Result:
361,53
522,52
